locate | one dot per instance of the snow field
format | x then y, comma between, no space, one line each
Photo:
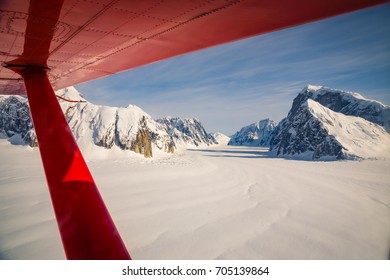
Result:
218,203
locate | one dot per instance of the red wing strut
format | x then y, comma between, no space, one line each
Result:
86,228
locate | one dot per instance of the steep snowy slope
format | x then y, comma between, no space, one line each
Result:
187,132
348,103
15,120
256,134
93,126
312,130
128,128
221,138
96,127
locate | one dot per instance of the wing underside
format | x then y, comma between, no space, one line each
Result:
81,40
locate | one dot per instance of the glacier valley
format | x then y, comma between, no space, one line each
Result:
178,192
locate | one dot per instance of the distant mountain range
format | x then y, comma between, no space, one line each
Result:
347,103
255,134
325,123
187,132
322,123
93,126
15,122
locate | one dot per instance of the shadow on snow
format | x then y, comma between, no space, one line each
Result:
255,153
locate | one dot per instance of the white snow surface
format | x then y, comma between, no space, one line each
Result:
71,93
358,136
98,128
217,203
350,103
221,138
255,134
187,133
103,131
320,90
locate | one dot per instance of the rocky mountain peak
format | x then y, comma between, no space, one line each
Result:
346,102
71,93
255,134
187,132
15,122
320,130
107,127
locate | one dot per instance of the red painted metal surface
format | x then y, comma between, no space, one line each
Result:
92,39
86,228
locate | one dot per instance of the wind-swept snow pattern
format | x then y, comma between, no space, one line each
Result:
216,203
212,202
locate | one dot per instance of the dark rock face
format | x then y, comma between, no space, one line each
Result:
170,148
128,128
105,139
31,138
15,119
88,120
301,132
142,143
187,131
256,134
306,127
163,142
347,103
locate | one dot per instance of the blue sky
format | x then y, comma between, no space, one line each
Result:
229,86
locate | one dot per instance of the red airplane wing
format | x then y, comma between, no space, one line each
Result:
81,40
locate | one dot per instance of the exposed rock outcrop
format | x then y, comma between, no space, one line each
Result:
187,132
15,119
314,131
93,125
347,103
256,134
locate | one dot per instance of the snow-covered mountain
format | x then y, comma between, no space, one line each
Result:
348,103
106,127
187,132
315,131
15,122
255,134
128,128
221,138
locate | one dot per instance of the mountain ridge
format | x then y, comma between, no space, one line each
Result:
346,102
325,122
255,134
188,132
126,128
